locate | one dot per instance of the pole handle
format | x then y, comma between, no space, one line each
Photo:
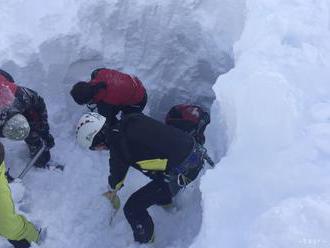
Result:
33,160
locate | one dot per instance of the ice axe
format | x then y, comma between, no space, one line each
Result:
206,157
115,202
31,163
209,160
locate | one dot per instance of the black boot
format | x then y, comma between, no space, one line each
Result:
140,221
34,143
144,233
20,243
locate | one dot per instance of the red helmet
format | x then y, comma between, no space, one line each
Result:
189,118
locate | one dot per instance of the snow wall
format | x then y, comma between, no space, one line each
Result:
177,48
272,187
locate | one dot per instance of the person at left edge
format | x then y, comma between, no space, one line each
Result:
23,115
16,228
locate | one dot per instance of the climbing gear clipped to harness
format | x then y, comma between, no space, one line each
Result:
189,169
207,158
183,181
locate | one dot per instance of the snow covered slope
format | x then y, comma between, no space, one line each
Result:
270,118
272,188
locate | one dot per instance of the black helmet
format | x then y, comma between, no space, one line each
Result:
82,92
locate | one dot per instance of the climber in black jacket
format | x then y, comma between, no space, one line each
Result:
170,157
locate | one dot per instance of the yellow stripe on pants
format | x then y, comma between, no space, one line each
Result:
13,226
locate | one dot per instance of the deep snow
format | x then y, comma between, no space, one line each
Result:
273,184
270,119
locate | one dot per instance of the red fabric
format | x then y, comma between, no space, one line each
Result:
7,92
189,112
121,88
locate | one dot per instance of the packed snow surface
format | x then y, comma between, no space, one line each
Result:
270,129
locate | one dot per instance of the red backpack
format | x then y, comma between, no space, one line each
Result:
189,118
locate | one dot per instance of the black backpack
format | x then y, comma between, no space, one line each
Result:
189,118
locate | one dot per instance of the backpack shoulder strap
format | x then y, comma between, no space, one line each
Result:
2,153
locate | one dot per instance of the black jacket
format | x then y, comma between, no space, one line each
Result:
28,103
137,138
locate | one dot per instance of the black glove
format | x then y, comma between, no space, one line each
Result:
9,177
49,141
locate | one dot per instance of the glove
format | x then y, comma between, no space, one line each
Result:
49,141
113,198
9,177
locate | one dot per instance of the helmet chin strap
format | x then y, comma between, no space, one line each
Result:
99,141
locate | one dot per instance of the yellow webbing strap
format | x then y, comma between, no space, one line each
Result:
153,164
119,185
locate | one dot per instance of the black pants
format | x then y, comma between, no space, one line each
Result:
20,244
110,111
34,143
135,209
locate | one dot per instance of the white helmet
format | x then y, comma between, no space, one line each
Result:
88,126
16,128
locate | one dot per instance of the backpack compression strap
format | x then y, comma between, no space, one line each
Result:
2,153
